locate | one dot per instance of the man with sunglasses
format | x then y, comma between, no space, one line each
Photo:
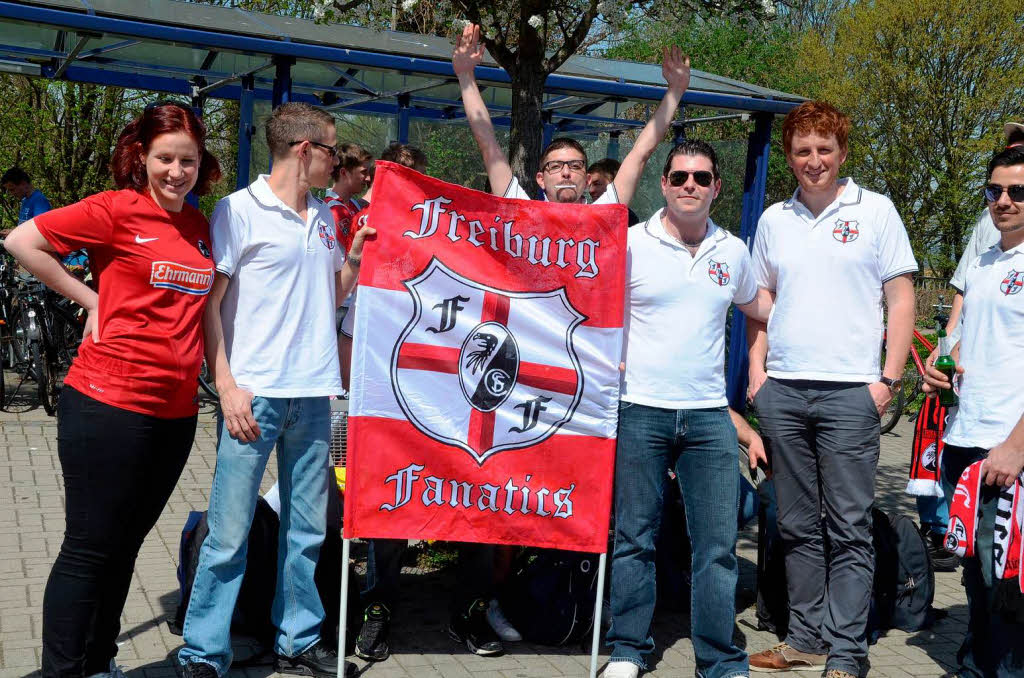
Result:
934,511
829,254
989,424
274,358
563,171
683,273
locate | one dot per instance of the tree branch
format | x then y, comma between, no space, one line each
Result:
572,40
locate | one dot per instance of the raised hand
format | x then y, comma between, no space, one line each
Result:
469,51
675,68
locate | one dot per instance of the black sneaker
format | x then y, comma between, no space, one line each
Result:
471,628
942,560
198,670
372,643
318,661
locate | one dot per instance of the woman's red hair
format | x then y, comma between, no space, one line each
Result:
128,164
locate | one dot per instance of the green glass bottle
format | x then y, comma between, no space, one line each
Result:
945,364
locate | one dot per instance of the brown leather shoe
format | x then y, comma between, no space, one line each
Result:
784,658
839,673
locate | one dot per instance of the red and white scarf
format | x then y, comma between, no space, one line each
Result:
926,449
1008,537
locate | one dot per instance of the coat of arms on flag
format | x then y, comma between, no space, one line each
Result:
485,367
508,368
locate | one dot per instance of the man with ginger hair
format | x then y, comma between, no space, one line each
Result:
829,255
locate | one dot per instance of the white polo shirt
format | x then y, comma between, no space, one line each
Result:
827,272
279,308
609,197
676,306
991,350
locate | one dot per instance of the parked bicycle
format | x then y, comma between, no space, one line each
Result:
913,375
44,332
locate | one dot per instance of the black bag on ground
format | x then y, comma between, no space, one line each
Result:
772,594
550,596
904,586
251,615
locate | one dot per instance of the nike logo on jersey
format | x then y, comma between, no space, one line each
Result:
139,239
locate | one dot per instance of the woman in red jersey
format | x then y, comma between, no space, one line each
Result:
127,413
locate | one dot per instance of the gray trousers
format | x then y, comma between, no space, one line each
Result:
823,438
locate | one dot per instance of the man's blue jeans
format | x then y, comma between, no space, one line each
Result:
934,513
300,429
701,446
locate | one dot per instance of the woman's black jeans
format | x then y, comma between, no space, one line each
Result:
119,470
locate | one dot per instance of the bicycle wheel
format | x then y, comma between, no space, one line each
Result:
5,341
206,383
893,413
44,371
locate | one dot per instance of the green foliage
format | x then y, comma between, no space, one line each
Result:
759,53
63,135
928,84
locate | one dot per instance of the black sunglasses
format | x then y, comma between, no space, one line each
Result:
994,191
702,177
168,102
332,150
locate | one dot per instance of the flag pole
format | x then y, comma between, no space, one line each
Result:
346,546
598,607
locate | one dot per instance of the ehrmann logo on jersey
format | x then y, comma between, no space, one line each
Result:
174,276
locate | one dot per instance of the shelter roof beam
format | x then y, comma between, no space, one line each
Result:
405,91
83,40
203,91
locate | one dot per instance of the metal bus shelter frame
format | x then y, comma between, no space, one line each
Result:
584,97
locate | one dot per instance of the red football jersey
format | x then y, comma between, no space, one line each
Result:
344,212
154,270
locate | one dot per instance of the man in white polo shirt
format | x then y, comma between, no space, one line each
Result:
829,254
989,423
934,511
563,165
272,347
683,273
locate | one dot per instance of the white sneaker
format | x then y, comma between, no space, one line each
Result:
505,630
621,669
114,672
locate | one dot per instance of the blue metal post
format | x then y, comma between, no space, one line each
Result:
245,132
755,184
282,80
282,93
613,145
549,128
403,118
197,107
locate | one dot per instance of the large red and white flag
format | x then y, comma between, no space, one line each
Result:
485,383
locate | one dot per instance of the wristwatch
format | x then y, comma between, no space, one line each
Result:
893,384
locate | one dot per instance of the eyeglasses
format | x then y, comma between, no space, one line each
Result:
993,192
332,150
702,177
555,166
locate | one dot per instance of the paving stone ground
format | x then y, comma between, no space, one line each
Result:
32,524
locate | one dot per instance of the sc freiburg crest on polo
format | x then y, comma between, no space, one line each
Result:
1012,283
846,231
483,369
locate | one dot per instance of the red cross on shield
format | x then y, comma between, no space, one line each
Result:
483,369
1012,283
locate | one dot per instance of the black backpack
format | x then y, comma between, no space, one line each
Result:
550,596
772,594
251,615
904,586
